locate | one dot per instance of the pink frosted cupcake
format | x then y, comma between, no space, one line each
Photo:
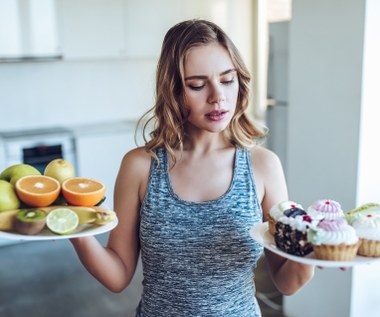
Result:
326,209
334,239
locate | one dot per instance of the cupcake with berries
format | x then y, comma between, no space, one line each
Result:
277,211
291,232
326,209
367,227
334,239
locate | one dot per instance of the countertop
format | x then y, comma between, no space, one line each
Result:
74,130
103,128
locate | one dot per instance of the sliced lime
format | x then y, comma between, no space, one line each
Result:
62,220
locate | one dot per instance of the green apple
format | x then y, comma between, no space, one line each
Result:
8,197
60,169
14,172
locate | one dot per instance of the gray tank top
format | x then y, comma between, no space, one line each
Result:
198,257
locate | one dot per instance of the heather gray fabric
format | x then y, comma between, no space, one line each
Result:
198,257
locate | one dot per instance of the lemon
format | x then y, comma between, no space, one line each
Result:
62,220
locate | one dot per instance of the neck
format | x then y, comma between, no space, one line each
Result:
206,143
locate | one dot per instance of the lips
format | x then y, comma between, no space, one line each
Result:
216,115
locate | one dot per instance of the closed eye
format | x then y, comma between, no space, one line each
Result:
228,82
196,88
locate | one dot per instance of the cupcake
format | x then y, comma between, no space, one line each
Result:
334,239
367,227
277,211
325,209
365,209
291,232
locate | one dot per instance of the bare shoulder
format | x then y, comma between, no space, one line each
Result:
134,170
137,157
263,158
136,161
269,176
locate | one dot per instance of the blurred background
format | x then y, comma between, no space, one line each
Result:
75,75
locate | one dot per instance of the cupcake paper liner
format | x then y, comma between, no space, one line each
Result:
370,248
340,252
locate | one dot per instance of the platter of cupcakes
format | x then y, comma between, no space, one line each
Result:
322,234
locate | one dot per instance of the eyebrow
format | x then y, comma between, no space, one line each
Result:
205,77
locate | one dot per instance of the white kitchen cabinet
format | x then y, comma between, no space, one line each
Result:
28,30
99,155
130,29
92,29
147,21
101,29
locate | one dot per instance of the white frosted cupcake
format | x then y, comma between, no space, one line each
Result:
367,227
334,239
326,209
277,211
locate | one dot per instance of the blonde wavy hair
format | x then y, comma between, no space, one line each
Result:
164,122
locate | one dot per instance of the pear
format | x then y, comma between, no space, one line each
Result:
14,172
7,219
8,197
60,169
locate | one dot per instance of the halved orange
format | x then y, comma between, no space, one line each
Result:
82,191
37,190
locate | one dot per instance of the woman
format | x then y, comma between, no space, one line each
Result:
188,198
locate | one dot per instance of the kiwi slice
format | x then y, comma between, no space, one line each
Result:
30,221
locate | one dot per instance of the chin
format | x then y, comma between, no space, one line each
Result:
217,129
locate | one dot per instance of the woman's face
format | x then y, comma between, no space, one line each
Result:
211,87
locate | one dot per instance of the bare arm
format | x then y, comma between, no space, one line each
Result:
288,276
115,264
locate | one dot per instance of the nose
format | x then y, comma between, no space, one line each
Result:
216,95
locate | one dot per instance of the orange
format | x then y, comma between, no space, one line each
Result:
37,190
82,191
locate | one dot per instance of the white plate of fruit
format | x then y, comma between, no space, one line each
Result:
55,204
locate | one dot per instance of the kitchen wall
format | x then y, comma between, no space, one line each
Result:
109,49
71,93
